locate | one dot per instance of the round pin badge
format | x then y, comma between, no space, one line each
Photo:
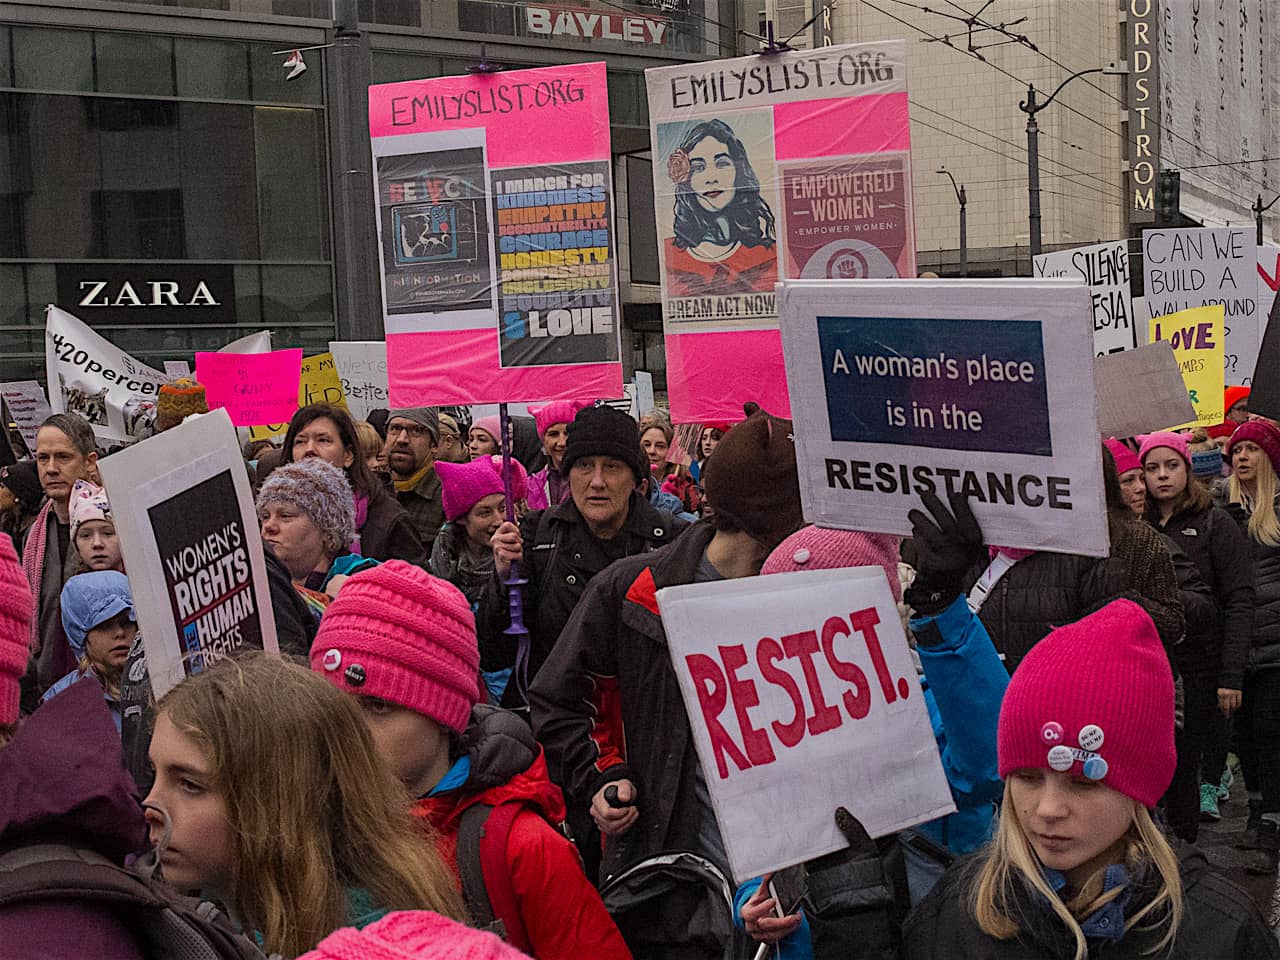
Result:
332,659
1091,736
1060,758
1051,732
1095,768
355,675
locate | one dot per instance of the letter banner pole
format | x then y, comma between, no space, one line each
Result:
514,581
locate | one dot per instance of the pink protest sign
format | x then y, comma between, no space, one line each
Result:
254,388
770,168
496,236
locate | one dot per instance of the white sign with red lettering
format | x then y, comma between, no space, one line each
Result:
594,24
803,697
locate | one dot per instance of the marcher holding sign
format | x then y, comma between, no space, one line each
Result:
1196,336
790,165
484,217
905,387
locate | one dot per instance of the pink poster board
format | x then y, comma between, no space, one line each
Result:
768,168
254,388
497,241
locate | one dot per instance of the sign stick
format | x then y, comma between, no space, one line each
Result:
515,598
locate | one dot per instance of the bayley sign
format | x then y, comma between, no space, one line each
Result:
594,24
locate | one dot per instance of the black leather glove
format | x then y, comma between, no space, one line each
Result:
947,545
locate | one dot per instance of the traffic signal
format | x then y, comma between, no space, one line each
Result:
1169,196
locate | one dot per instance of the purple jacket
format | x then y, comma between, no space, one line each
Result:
62,780
547,488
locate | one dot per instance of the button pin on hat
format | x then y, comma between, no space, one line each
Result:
332,659
355,675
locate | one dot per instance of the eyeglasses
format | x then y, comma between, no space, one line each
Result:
415,430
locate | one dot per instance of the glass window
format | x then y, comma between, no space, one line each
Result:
217,171
23,296
292,219
628,99
134,63
390,67
6,59
248,281
298,295
640,221
52,59
267,76
217,69
402,13
138,210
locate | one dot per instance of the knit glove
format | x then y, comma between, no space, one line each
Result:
946,546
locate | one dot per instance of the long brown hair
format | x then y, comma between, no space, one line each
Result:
1194,498
314,813
358,474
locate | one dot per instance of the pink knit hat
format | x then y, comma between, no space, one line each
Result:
1095,698
16,610
1177,442
1124,457
557,411
412,935
398,633
490,425
1262,432
466,484
816,548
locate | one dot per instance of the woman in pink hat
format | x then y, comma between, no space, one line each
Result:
482,439
1254,493
549,487
1078,867
1211,660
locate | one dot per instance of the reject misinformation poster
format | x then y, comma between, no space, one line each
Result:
987,390
497,236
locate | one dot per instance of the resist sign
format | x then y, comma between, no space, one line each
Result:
802,697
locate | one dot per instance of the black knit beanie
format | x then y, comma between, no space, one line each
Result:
602,431
751,479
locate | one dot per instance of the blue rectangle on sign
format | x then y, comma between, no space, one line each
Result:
948,384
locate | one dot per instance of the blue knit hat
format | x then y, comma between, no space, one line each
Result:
89,599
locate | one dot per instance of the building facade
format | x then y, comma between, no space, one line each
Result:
159,146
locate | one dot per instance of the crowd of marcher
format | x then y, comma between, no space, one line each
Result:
474,744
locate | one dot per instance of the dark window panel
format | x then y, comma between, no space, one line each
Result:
640,221
52,59
292,215
6,58
215,69
395,67
142,224
217,170
134,63
267,76
297,295
56,138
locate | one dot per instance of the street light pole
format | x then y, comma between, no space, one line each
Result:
1259,210
1030,107
964,231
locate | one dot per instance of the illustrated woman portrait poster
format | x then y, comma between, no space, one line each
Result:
715,180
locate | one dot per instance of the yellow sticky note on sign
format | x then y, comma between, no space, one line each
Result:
319,384
1196,336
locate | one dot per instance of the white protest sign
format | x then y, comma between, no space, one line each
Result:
189,536
802,697
362,368
645,403
1104,268
905,386
27,406
1203,266
91,377
177,368
1139,388
259,342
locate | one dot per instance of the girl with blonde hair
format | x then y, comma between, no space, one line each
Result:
270,798
1254,492
1078,868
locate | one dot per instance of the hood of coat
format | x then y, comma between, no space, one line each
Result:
507,764
62,779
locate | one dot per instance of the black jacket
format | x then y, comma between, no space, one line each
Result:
1220,922
1043,591
1220,551
1265,652
388,532
561,556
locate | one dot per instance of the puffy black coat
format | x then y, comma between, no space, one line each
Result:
1220,922
1265,651
1043,591
389,534
1215,544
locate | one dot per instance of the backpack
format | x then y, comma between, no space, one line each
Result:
168,925
483,832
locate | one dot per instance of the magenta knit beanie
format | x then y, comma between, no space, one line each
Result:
398,633
1262,432
16,610
466,484
412,935
557,411
1095,698
1177,442
491,425
1124,457
816,548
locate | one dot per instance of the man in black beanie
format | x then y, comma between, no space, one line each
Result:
560,549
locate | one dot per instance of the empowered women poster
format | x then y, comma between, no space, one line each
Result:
793,166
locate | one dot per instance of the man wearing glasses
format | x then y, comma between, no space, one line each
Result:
413,436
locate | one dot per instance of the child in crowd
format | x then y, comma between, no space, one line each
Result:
100,624
93,528
270,798
1078,866
402,643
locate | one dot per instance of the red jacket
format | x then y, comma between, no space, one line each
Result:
561,911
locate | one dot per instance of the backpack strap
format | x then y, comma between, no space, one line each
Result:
43,871
486,878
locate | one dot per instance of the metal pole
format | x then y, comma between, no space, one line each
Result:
1257,216
964,235
1033,171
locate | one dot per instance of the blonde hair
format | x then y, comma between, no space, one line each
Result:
314,812
1264,528
1012,862
370,442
